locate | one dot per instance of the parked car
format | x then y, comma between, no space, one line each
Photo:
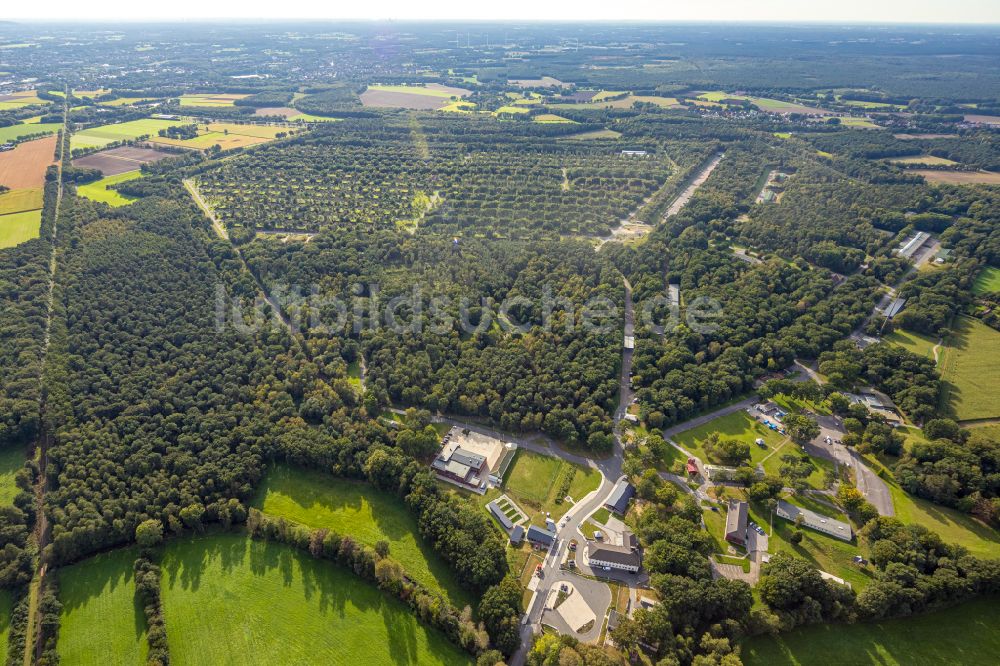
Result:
538,570
572,544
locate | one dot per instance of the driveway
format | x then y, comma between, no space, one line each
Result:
588,601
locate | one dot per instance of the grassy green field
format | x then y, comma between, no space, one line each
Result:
366,514
929,160
13,132
988,281
738,425
98,190
534,481
953,526
970,370
101,623
19,227
6,606
11,460
18,201
963,635
917,343
230,600
105,134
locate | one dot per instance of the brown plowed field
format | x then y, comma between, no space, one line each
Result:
24,167
119,160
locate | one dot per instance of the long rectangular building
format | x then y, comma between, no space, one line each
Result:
811,519
622,558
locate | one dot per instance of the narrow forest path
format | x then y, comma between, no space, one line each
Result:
32,643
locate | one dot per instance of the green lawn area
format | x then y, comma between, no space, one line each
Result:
101,623
823,552
6,606
16,228
361,511
11,460
715,524
815,504
105,134
13,132
98,190
738,425
820,466
534,481
953,526
601,516
230,600
917,343
970,370
988,281
964,635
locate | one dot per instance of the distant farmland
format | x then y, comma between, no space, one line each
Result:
210,99
15,132
430,97
940,176
120,160
96,137
224,135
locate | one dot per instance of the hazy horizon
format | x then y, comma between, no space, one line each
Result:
865,12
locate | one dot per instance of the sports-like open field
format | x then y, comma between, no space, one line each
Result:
963,635
14,132
210,99
24,167
359,510
970,370
430,97
988,281
101,623
942,177
120,160
230,600
535,480
133,129
19,227
99,191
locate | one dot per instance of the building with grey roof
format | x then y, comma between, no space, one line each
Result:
541,536
813,520
737,518
620,497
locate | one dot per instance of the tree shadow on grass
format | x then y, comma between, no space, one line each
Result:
367,514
